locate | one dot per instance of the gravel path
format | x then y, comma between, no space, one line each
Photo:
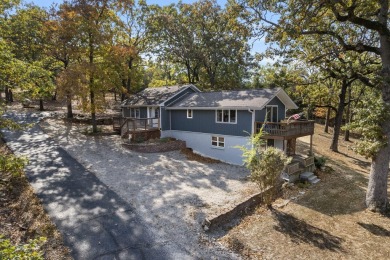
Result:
172,194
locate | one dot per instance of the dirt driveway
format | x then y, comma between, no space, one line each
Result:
328,221
172,194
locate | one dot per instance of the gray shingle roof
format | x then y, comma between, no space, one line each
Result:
153,96
254,98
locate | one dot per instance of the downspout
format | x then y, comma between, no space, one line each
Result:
253,124
253,120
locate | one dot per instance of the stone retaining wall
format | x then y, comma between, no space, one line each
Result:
145,135
242,208
156,147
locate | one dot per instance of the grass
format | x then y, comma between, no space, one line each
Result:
326,221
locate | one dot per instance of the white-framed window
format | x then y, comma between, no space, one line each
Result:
189,113
218,141
271,113
135,113
226,116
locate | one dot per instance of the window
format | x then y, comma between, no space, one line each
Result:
134,113
189,113
272,113
270,143
226,116
218,141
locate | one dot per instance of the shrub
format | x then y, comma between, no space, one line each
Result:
12,164
265,166
319,162
31,250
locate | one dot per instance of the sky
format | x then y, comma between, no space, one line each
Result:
258,45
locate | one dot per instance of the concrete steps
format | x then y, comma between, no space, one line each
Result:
310,177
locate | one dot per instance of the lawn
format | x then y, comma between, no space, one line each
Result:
324,221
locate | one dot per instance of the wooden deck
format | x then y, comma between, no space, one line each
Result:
286,130
131,125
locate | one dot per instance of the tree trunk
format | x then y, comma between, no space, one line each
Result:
348,114
339,117
326,128
11,96
376,196
93,112
41,108
6,94
69,106
188,72
54,97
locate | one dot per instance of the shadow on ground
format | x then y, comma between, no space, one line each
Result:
301,232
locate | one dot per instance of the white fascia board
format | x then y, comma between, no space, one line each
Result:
287,101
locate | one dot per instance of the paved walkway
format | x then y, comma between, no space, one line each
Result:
95,222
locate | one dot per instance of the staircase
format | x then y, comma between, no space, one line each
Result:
302,168
310,177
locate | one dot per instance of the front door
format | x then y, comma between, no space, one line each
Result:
153,114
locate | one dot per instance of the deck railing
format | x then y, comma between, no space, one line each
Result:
284,129
139,124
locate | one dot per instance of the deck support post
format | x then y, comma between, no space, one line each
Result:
311,145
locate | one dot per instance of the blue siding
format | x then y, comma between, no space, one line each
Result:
165,119
260,114
203,121
166,114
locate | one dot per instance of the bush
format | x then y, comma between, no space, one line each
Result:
31,250
12,164
319,162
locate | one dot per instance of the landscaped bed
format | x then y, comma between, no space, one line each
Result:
156,145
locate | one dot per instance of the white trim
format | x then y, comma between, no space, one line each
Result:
160,118
218,146
219,122
192,114
253,112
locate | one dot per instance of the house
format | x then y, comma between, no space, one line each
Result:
213,124
142,111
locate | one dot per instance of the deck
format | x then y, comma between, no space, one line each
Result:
132,125
284,130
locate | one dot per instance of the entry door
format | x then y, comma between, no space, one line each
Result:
154,115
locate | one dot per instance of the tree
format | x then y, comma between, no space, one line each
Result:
134,41
95,19
209,41
63,45
354,26
25,36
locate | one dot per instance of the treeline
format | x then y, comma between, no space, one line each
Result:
83,49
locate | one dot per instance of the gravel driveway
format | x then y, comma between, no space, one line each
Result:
172,194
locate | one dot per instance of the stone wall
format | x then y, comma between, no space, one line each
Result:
156,147
145,135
